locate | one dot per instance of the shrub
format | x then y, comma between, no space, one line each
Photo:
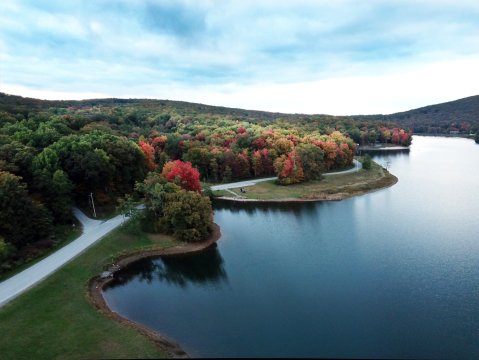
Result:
367,162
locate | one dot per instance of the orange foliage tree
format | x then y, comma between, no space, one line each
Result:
289,169
149,152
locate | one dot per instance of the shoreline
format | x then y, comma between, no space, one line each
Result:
97,283
326,197
385,148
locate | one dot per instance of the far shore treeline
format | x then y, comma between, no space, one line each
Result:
55,154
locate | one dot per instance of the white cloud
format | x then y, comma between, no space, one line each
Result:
401,90
341,57
13,89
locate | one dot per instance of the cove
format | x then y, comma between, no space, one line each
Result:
391,274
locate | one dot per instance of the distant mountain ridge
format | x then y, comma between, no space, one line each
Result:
458,116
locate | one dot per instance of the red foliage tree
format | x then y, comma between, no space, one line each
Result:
241,130
183,174
395,136
289,169
293,138
404,137
259,143
241,166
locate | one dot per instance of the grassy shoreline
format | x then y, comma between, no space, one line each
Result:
331,188
55,320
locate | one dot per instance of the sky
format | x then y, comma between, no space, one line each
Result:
339,57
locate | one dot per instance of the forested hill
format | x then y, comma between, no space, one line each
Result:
13,103
461,116
54,154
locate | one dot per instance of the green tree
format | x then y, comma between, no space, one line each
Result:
6,250
200,158
312,159
61,196
19,155
188,215
127,207
154,188
367,161
227,174
22,220
94,162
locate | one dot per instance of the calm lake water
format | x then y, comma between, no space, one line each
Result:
392,274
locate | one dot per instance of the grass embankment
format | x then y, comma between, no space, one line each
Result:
54,320
333,187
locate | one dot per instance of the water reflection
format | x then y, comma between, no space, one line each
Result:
378,152
261,208
390,154
205,268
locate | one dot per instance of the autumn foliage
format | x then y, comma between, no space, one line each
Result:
230,153
183,174
149,152
289,169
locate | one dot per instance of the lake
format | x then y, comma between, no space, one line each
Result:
391,274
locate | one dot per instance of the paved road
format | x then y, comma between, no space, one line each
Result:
357,167
93,230
239,184
235,185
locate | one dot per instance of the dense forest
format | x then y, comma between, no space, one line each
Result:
54,154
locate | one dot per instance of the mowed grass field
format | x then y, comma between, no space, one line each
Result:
54,320
333,187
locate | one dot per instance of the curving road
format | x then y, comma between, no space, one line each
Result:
357,166
235,185
93,230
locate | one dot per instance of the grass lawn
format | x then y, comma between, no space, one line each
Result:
53,320
333,187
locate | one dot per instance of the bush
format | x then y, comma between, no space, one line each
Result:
367,162
6,249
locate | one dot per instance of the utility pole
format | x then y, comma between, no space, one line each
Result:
93,204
